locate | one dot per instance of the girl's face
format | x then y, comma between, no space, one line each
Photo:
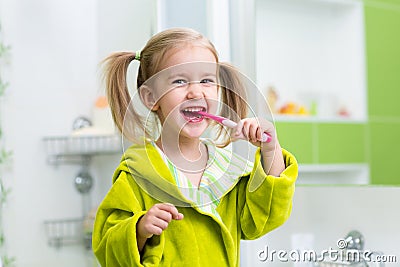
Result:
188,83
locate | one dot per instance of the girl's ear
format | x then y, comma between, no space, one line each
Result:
147,96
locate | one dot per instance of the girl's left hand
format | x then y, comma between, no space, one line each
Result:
251,129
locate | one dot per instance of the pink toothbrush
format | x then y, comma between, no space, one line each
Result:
231,124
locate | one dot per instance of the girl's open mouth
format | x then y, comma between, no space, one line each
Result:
190,114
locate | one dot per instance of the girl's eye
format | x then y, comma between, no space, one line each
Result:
210,81
179,82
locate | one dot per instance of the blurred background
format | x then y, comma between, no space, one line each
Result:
328,68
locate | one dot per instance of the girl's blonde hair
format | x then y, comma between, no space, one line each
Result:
127,119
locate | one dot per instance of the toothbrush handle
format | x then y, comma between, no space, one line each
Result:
229,123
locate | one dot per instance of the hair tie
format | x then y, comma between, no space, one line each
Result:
137,55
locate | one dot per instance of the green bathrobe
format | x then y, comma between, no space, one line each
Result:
255,204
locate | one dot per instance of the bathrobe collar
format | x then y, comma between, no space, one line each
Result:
152,174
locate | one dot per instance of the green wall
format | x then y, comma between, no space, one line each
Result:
376,141
382,22
325,142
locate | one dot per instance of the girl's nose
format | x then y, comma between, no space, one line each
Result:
195,90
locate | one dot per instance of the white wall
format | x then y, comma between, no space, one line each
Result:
56,48
328,214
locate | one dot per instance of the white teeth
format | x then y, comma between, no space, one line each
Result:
192,109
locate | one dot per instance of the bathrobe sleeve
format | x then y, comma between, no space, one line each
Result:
266,199
114,234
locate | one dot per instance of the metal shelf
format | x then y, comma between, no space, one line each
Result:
67,232
75,149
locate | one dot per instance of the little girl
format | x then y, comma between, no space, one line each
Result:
178,199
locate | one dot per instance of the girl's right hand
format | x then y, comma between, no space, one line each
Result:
156,220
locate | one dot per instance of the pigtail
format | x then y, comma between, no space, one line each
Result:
115,74
233,96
